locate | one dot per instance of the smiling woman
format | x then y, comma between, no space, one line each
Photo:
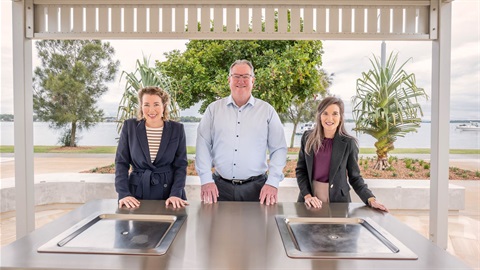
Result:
154,149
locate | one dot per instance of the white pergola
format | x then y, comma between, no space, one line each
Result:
428,20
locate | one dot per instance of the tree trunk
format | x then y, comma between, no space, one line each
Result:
383,146
292,138
73,134
382,163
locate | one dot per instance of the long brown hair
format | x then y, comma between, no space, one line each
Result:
315,138
154,90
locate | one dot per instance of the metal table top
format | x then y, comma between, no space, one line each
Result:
225,235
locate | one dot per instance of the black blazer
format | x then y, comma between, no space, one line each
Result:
163,178
344,161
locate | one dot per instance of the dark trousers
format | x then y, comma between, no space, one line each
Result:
248,191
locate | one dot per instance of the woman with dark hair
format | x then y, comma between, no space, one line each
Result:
156,150
327,156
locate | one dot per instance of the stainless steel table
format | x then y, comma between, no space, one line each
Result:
226,235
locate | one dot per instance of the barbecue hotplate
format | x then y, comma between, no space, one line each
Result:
118,234
355,238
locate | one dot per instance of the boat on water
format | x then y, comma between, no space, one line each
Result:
305,127
469,126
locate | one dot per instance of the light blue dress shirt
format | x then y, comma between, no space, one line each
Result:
234,140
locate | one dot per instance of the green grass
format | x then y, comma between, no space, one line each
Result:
191,150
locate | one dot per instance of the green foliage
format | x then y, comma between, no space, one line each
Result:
385,105
285,70
66,138
426,166
299,111
69,82
408,163
189,119
143,76
6,117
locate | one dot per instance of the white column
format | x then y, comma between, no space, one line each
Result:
23,122
441,61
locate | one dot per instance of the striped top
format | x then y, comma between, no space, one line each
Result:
154,136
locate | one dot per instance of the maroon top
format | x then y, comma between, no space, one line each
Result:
321,161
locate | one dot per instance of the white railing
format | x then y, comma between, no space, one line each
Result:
356,20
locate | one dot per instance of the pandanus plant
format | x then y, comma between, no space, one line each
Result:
386,105
143,76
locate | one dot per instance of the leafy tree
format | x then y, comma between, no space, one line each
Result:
304,110
71,78
143,76
285,70
299,111
385,105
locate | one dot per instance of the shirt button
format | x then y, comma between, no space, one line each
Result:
165,185
234,164
235,150
233,177
331,186
238,122
237,136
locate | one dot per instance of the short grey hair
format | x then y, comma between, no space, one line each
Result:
242,62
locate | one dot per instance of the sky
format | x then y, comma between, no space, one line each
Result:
345,59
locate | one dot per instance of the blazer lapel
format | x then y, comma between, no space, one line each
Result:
142,139
338,150
166,135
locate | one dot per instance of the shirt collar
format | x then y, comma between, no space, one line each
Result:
250,101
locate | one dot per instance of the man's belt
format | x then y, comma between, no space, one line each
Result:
243,181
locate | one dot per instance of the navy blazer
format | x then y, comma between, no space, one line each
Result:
344,161
163,178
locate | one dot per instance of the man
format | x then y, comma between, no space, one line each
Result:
233,137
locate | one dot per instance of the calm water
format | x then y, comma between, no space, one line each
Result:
106,134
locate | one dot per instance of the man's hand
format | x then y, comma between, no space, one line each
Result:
209,193
268,194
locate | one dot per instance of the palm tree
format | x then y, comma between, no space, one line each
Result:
385,105
143,76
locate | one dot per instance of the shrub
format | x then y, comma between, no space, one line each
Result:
408,163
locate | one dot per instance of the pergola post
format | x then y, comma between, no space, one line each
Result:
23,119
440,144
